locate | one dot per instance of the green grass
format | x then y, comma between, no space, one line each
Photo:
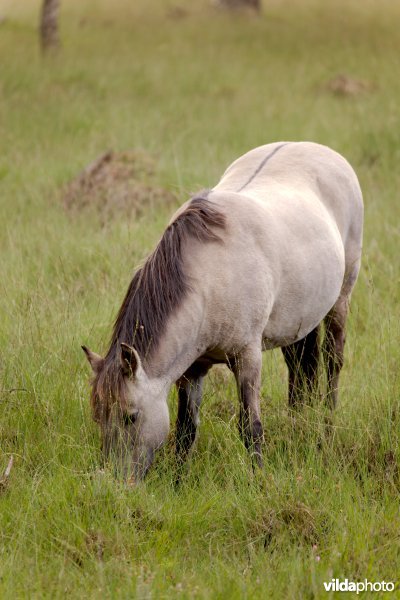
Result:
194,92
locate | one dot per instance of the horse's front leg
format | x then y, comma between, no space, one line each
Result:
247,370
189,399
190,391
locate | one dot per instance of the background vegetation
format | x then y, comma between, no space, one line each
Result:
193,88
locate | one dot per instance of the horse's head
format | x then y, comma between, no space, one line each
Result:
131,410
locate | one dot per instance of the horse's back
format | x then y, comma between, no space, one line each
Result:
304,177
294,226
293,235
301,166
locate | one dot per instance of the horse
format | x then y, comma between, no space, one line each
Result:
259,261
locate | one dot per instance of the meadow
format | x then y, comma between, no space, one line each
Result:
193,88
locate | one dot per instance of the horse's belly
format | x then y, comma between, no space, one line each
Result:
305,299
275,278
290,324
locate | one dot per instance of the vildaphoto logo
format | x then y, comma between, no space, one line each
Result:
344,585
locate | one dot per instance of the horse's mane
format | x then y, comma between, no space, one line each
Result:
161,283
156,290
158,287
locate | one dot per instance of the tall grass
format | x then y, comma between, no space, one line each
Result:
195,92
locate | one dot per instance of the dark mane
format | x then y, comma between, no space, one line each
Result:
156,290
160,284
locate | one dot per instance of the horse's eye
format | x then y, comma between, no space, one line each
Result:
129,419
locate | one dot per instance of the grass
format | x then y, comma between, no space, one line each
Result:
194,92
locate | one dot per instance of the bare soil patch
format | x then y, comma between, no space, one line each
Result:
344,85
117,185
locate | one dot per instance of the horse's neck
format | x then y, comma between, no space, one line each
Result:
179,345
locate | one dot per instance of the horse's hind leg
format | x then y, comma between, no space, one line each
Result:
247,369
190,390
333,347
302,360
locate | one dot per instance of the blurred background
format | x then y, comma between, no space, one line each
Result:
196,82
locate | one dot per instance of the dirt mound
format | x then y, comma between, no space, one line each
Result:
117,184
177,13
343,85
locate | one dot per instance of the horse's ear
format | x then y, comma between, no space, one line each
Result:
130,360
95,360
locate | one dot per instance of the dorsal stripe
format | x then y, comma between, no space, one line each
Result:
261,166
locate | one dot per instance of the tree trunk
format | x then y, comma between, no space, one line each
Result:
49,37
238,4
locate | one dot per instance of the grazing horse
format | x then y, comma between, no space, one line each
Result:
257,262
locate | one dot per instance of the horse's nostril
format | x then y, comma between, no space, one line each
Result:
129,419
